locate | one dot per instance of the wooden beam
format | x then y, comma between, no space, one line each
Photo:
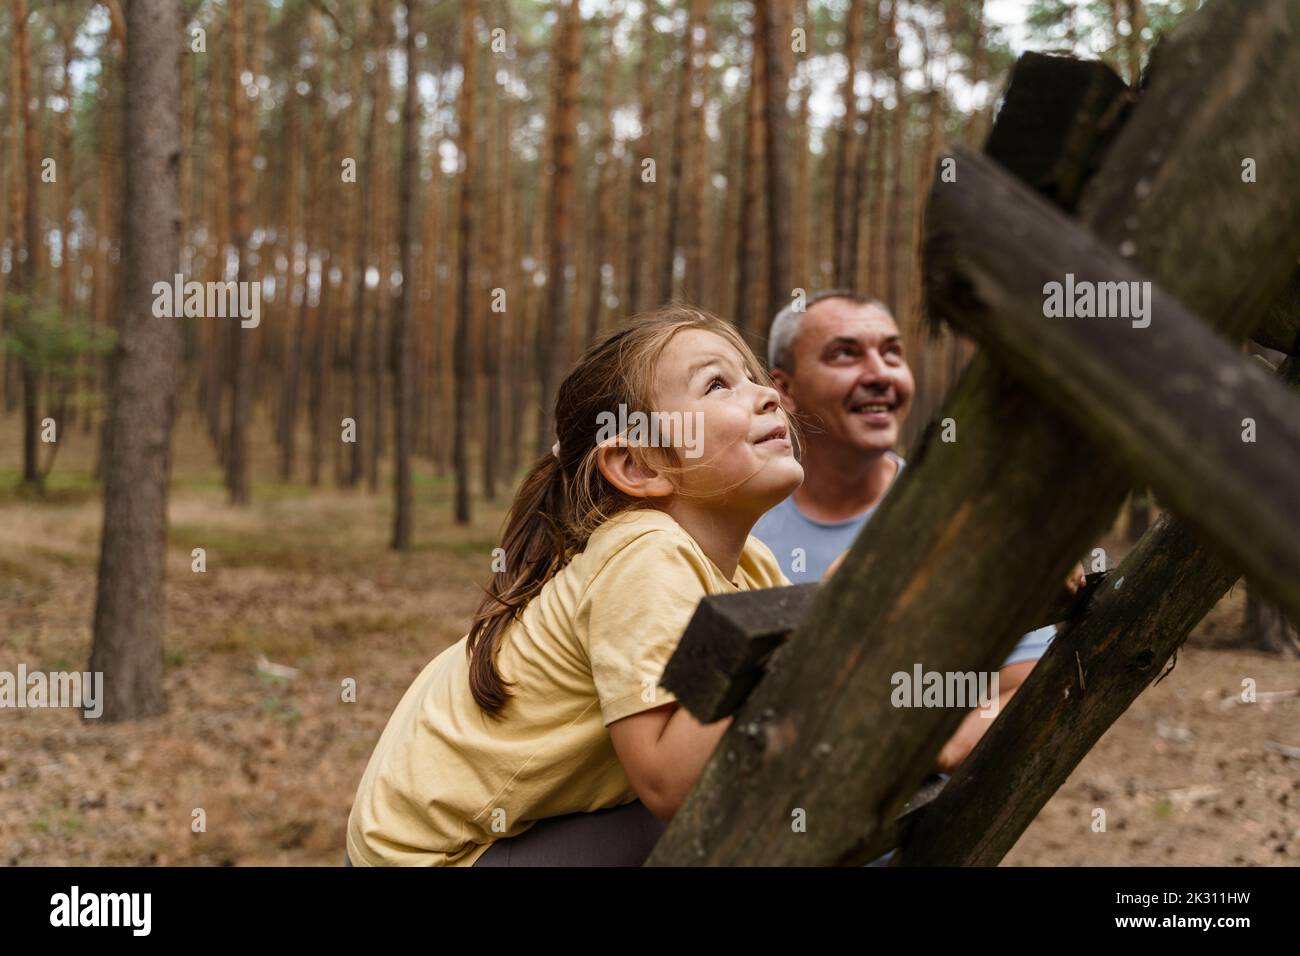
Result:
1209,429
1057,119
971,545
726,646
1086,680
1162,173
727,643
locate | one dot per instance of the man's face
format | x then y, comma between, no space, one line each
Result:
851,384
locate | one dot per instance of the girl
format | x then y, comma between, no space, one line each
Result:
549,709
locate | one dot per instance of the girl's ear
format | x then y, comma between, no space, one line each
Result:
628,474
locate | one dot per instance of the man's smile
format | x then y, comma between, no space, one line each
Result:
875,409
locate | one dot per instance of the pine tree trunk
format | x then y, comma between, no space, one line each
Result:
7,167
26,271
728,237
379,326
67,180
359,357
676,168
604,227
751,196
803,248
978,61
893,224
499,252
1266,628
293,236
878,135
406,230
14,205
128,623
568,52
641,193
1136,17
773,27
844,205
241,163
463,370
528,317
698,156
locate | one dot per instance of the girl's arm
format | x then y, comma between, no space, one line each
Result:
974,725
663,752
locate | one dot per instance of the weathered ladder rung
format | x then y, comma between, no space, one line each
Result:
721,655
725,647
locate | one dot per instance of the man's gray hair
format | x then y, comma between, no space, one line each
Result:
781,336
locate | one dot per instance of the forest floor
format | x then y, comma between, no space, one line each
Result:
303,577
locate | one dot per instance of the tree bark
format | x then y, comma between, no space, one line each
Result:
500,342
895,222
878,133
773,26
26,271
697,156
128,623
804,255
568,53
674,201
463,363
379,325
639,196
359,358
845,202
978,61
747,243
1137,20
241,162
408,199
1265,627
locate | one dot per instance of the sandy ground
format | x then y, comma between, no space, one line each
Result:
304,578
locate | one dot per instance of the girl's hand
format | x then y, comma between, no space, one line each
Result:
1075,579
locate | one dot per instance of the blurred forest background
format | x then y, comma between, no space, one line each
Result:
532,127
443,203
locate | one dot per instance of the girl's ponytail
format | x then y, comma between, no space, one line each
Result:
534,549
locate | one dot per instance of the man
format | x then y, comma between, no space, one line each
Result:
840,369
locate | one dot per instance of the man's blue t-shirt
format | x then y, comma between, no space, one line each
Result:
805,549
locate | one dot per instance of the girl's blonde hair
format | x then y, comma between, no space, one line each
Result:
564,497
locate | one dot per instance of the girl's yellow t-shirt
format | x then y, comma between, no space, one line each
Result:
446,780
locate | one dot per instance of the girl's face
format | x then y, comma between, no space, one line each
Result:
741,454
